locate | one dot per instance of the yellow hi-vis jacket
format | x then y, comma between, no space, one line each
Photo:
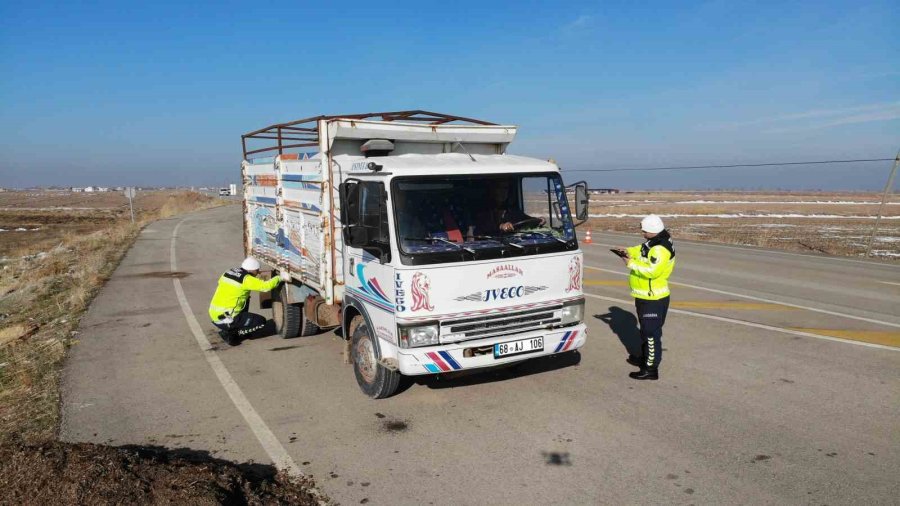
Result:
233,292
650,270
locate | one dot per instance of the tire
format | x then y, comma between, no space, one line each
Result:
307,327
373,379
286,316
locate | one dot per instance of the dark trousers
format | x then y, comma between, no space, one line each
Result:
245,324
651,316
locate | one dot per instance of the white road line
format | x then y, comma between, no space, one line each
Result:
761,299
889,283
263,434
755,325
749,249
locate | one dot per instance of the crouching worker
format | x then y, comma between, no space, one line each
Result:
228,309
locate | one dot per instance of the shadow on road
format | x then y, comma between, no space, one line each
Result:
503,373
624,325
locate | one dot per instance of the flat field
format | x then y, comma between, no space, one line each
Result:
34,221
832,223
56,250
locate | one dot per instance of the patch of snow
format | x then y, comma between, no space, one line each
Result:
772,225
604,201
800,202
743,215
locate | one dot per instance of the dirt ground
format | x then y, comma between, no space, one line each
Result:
61,473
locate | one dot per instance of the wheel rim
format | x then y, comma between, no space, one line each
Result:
365,360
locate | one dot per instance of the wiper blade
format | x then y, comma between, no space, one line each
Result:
501,240
542,234
438,239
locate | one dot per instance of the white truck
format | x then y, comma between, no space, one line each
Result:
415,233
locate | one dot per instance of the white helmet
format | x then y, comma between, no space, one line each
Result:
250,264
652,224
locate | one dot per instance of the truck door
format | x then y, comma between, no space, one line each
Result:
368,275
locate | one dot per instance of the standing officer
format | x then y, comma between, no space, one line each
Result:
651,264
228,309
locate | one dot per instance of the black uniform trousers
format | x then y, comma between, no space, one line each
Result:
244,324
651,316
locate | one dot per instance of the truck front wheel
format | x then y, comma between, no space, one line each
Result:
374,379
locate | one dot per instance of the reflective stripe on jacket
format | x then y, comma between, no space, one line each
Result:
651,266
233,292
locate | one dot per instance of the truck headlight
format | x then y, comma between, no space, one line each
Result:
572,313
424,335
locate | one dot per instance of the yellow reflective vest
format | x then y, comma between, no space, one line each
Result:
233,292
651,265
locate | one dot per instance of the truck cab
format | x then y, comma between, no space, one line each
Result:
432,249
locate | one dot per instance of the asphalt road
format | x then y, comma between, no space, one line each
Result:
780,384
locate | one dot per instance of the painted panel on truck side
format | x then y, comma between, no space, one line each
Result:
371,282
260,196
301,200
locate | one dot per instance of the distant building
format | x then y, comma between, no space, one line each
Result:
602,191
77,190
89,189
102,189
120,188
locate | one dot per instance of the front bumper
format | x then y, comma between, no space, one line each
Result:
450,357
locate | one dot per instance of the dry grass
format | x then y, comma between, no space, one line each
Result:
43,294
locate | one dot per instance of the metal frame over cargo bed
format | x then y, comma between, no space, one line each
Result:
304,133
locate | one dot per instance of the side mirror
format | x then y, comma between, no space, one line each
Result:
581,201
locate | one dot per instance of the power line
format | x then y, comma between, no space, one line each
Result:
773,164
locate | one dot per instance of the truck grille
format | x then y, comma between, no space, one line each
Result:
465,329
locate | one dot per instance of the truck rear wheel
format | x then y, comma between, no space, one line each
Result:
307,326
374,379
287,317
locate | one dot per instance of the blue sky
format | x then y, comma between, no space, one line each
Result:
159,92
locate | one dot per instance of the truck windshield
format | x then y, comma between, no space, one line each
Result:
458,218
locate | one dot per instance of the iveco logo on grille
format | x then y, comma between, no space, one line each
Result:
504,293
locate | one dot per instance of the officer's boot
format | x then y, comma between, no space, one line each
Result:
230,337
645,374
635,360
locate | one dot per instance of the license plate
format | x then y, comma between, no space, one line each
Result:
519,347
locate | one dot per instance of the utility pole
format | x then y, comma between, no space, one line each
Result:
887,189
129,192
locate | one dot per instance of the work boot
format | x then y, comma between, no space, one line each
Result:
635,361
645,374
229,337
